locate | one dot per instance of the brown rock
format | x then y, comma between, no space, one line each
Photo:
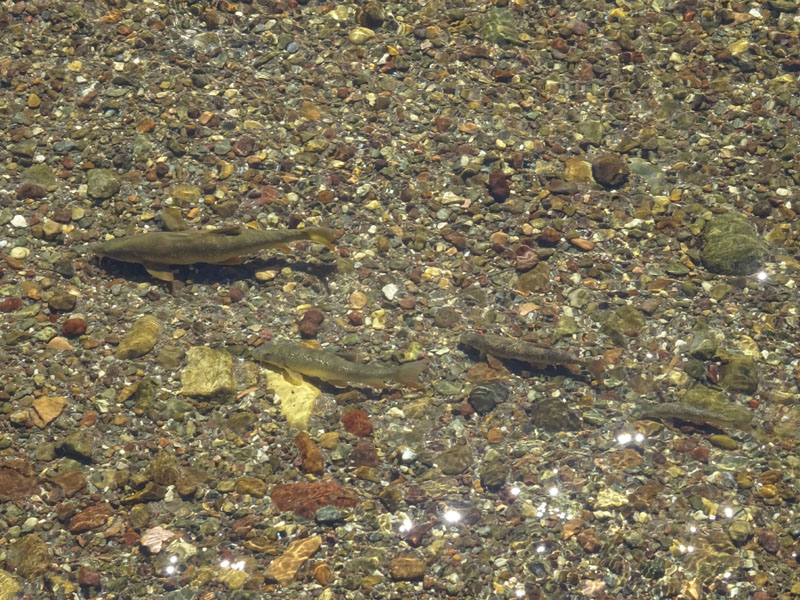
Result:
549,236
588,541
30,190
70,482
364,454
89,578
310,454
323,574
305,498
59,344
10,304
357,422
407,568
609,171
62,301
311,322
498,186
90,518
46,409
17,480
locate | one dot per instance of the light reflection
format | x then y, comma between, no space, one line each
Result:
540,548
520,593
553,491
514,491
624,438
452,516
170,570
406,526
225,563
762,275
728,511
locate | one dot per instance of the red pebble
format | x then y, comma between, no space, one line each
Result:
357,422
88,578
356,317
10,304
236,294
74,327
701,454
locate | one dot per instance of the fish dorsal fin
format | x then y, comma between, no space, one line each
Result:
226,230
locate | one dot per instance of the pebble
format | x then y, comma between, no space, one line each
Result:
208,373
19,221
74,327
102,184
311,322
406,568
484,398
62,302
609,171
140,339
357,422
389,291
251,486
19,253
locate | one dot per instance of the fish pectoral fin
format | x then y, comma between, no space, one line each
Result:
283,248
493,361
339,383
236,260
160,271
292,377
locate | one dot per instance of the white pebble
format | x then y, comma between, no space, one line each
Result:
19,253
390,291
19,221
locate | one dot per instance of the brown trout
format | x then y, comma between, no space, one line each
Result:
503,347
226,245
296,358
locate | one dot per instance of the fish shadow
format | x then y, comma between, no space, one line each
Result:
209,274
526,370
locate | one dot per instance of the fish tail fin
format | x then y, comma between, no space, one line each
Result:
597,369
320,235
408,373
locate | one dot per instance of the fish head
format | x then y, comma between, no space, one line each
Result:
271,354
117,249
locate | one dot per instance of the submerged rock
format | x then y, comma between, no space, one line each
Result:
209,373
140,339
732,246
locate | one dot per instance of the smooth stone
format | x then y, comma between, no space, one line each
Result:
209,373
102,183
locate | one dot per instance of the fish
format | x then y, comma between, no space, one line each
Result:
294,359
224,245
504,347
721,417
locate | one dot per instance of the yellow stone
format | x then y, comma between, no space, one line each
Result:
224,169
284,568
739,46
577,169
34,101
358,300
359,35
297,401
